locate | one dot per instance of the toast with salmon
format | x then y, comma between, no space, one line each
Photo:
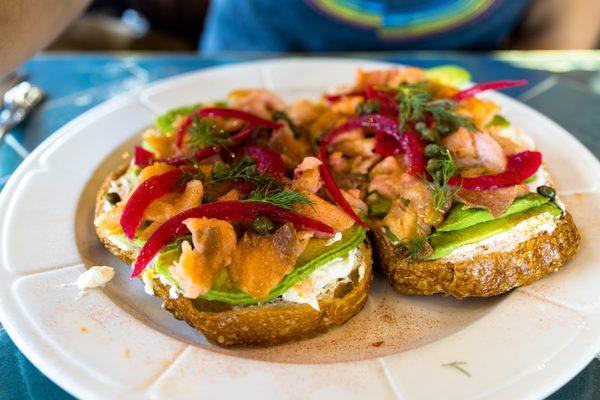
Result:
457,198
221,215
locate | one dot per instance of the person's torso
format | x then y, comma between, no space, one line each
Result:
353,25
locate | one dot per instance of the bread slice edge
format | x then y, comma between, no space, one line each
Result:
484,275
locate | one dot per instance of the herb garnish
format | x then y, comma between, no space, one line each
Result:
416,248
443,112
417,102
176,244
413,103
243,168
441,170
204,133
268,188
279,196
458,365
190,174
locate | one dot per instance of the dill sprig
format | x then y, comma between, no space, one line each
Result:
176,244
268,188
413,101
190,173
439,188
245,169
413,249
443,112
458,366
417,102
417,248
278,196
204,133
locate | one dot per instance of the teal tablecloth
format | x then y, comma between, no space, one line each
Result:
75,83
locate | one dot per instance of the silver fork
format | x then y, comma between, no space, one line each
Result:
18,102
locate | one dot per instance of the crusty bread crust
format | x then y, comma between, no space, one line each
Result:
485,275
125,255
276,323
262,325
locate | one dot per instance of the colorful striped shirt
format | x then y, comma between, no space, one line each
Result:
356,25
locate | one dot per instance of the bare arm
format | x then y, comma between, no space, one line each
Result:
27,26
561,24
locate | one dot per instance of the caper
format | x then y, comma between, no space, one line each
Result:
420,126
368,107
435,169
430,135
113,198
433,164
263,225
547,191
433,150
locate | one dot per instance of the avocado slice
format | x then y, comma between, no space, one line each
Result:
449,75
164,122
460,218
444,243
316,254
499,121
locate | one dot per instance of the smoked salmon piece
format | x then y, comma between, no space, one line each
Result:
214,242
260,262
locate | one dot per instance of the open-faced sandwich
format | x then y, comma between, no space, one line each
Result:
458,200
223,216
227,217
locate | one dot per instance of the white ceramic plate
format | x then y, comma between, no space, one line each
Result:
119,343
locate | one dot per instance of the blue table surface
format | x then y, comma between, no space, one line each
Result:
563,85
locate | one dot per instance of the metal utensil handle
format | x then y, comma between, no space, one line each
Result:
3,130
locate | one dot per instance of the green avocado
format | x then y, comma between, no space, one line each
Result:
316,254
164,122
123,241
449,75
499,121
444,243
460,218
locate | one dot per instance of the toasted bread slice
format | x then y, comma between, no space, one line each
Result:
275,322
483,275
257,325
